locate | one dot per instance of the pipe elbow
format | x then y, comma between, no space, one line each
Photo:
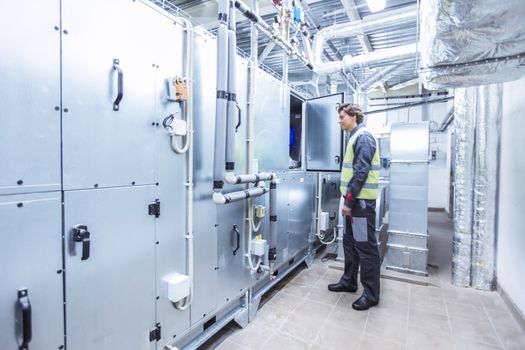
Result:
218,198
230,178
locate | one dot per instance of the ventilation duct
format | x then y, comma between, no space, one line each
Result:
471,42
381,20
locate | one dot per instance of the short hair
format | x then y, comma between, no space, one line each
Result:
352,109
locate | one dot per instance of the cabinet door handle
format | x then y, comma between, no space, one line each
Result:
337,159
24,305
120,84
81,234
236,239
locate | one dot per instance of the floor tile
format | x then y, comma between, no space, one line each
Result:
348,318
298,290
428,339
271,316
390,310
252,337
305,329
338,338
428,304
384,328
322,295
369,342
284,341
468,312
284,302
312,310
483,331
427,319
464,343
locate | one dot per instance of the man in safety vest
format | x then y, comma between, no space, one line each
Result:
359,187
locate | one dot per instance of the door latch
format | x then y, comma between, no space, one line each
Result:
337,159
81,234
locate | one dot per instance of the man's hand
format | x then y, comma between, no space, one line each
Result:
347,211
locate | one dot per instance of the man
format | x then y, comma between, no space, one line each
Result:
359,186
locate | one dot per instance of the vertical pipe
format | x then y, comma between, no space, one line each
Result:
222,95
272,239
232,92
488,123
252,69
465,121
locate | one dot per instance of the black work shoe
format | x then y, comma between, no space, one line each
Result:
363,304
338,287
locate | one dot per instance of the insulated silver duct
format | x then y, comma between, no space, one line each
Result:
222,95
381,76
232,93
471,42
465,122
488,121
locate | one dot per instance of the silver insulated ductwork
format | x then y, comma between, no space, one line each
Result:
478,113
489,111
464,122
471,42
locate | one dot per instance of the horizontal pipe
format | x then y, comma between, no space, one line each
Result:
271,33
408,105
234,179
220,198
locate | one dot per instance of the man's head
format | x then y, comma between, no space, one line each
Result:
350,115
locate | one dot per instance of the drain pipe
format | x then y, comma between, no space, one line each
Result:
232,93
221,103
186,302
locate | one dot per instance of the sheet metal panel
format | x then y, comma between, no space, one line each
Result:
283,215
302,205
30,97
110,297
31,257
170,228
205,211
272,122
323,134
97,138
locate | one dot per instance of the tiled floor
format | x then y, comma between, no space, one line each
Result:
305,315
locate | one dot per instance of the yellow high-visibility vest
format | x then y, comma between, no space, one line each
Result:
371,185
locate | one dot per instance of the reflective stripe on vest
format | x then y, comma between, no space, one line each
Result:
371,185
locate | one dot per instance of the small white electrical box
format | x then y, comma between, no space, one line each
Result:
258,247
324,221
260,211
177,127
178,286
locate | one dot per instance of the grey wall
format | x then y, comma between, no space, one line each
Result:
511,240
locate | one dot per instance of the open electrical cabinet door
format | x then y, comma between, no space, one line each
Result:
324,138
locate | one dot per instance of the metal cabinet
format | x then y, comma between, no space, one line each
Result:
30,97
110,284
107,41
324,139
31,270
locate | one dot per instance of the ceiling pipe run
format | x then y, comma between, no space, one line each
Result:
389,18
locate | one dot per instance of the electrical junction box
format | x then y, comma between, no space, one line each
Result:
258,247
176,127
324,221
260,211
177,287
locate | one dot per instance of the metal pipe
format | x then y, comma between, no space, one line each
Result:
222,95
272,238
225,198
381,76
388,18
234,179
270,32
232,92
408,105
